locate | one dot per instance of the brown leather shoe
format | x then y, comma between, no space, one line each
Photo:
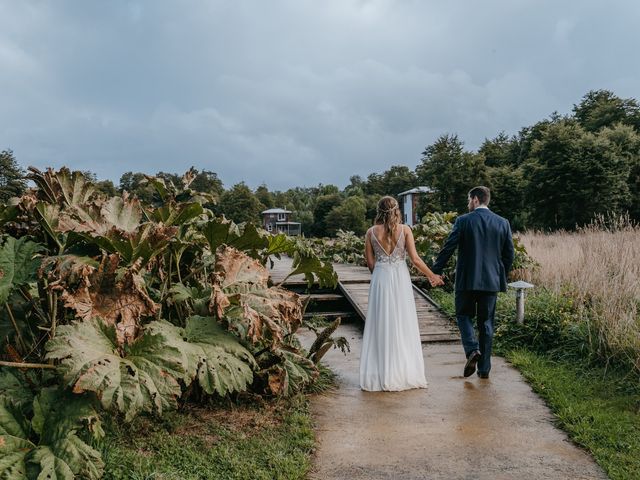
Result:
483,375
472,361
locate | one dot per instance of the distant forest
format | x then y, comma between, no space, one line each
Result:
559,173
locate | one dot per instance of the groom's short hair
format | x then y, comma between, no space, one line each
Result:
483,194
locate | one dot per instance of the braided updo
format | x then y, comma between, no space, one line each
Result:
388,214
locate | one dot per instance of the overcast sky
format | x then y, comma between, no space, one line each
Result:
294,92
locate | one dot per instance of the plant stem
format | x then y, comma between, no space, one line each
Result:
26,365
37,308
54,309
15,326
193,272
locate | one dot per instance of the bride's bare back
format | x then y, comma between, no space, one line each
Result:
377,234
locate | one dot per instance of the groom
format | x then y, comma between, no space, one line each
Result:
485,255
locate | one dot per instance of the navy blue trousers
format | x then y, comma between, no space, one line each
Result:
482,306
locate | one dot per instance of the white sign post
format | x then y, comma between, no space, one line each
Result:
520,287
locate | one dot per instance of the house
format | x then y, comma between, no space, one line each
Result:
409,204
277,220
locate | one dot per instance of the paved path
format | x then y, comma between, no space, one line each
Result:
456,429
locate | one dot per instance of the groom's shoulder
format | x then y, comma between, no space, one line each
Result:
464,217
503,221
500,218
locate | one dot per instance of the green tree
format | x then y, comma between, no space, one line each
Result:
106,187
397,179
265,196
240,204
451,171
324,204
136,184
349,215
500,151
12,181
625,143
393,181
508,190
207,181
601,108
574,174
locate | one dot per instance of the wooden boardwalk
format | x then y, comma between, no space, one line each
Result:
353,282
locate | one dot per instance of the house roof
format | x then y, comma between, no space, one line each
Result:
417,190
276,210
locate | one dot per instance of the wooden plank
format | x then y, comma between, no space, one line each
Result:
330,314
357,305
323,297
353,283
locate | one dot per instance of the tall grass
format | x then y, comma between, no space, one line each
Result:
599,268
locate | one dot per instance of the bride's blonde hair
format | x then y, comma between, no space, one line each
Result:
388,214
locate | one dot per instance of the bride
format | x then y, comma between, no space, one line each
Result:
391,349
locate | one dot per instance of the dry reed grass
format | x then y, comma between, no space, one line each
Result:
599,266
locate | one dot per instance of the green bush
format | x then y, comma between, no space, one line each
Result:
552,323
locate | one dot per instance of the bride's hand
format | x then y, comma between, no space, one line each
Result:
436,280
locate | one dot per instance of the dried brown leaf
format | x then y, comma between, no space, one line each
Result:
277,380
260,312
99,292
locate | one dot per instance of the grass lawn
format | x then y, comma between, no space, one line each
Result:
258,439
598,408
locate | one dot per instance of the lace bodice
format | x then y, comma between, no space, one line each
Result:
398,254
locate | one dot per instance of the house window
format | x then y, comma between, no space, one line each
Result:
282,217
269,227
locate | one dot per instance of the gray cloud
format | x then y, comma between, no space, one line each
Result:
293,92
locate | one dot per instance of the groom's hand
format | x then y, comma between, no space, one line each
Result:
436,280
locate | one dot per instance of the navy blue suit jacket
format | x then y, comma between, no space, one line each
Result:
485,251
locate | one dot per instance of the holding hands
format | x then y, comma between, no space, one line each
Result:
435,280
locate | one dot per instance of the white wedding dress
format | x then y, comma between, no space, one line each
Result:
391,348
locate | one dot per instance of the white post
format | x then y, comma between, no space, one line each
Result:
520,306
520,287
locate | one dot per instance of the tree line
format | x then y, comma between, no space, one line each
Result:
558,173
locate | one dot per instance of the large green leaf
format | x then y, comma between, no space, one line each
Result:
114,225
142,378
292,373
64,188
122,213
58,417
59,452
177,214
44,463
145,243
313,268
8,213
18,264
14,441
220,231
218,361
13,386
195,296
48,216
252,241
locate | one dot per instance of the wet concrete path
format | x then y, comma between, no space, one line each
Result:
456,429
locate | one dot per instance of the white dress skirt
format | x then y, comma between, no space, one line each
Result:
391,358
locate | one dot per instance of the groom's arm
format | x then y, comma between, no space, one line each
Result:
508,253
449,247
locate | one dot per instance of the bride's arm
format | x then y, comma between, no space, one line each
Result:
410,245
369,256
